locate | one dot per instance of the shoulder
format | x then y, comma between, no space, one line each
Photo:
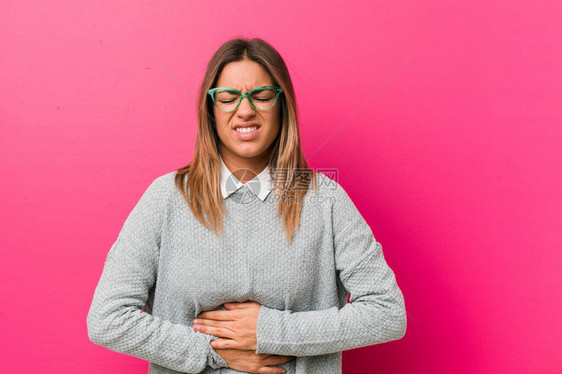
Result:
161,186
329,187
332,193
166,180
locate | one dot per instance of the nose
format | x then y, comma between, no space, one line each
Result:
245,108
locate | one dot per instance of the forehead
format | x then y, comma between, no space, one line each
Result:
244,75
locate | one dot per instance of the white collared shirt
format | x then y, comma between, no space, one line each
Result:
260,185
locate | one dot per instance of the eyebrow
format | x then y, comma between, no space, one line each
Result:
261,85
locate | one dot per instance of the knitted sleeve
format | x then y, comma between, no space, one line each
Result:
375,315
115,319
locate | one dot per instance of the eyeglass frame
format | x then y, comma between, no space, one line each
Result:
277,89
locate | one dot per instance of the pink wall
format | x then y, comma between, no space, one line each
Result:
452,108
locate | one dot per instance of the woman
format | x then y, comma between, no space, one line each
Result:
242,260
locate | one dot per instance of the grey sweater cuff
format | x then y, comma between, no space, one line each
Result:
214,360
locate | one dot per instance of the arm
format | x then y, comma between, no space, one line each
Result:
115,319
375,315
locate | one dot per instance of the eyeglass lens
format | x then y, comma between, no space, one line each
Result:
262,99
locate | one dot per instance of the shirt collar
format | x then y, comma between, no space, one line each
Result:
260,185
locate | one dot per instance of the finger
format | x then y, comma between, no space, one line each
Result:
276,360
271,370
222,315
220,332
221,343
213,323
248,304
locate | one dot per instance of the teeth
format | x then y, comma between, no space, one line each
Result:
247,129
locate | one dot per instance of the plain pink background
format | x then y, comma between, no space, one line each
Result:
443,119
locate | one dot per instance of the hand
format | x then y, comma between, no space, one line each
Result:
235,327
251,362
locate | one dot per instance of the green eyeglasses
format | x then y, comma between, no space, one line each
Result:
261,98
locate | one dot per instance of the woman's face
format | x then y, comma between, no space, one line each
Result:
244,76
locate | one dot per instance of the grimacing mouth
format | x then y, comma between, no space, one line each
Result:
246,124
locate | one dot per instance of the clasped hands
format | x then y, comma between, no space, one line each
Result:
235,329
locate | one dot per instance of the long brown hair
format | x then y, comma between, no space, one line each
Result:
201,189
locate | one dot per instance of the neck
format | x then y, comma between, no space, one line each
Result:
239,166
